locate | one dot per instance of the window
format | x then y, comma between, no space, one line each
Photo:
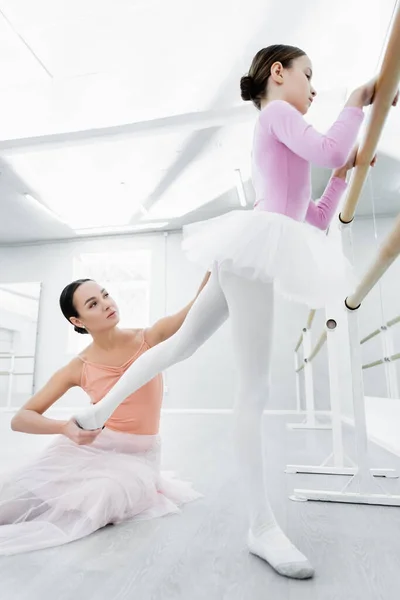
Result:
126,275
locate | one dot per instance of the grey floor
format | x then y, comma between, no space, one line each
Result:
201,554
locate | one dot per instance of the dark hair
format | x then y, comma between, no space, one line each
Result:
67,302
253,86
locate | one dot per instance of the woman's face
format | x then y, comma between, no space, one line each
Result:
97,311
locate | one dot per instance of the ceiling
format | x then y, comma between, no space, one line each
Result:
127,113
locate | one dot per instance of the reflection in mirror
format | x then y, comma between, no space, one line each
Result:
379,326
19,311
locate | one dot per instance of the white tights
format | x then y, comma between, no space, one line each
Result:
207,314
250,307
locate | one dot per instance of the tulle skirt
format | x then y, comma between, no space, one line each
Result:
70,491
304,264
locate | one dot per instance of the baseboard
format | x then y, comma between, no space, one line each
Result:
377,441
186,411
229,411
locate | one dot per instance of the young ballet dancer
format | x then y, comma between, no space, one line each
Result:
87,479
281,246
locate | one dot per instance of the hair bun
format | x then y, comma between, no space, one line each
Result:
80,329
247,87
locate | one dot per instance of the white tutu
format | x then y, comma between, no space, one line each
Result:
304,264
70,491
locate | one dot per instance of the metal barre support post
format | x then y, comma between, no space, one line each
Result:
337,463
310,421
338,449
368,491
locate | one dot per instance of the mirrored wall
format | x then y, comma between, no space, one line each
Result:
19,313
379,315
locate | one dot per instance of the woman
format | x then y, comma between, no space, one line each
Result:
87,479
280,245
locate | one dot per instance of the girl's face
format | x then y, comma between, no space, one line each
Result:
97,310
295,83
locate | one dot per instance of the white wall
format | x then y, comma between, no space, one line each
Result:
52,264
206,380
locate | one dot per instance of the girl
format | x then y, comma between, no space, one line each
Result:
280,245
87,479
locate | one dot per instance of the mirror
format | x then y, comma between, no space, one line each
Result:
379,329
19,312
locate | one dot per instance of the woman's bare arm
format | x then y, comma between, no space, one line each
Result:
30,419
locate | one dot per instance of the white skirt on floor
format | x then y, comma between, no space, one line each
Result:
70,491
302,261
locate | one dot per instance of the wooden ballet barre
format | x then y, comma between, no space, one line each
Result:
374,364
378,331
16,373
8,355
308,326
299,343
393,322
310,318
318,346
370,336
315,351
385,92
382,361
387,254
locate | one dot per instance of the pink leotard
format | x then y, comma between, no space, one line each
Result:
285,145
